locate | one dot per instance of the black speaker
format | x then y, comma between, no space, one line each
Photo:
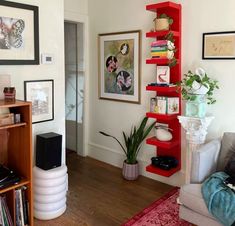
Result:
48,150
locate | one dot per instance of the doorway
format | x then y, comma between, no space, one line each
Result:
74,86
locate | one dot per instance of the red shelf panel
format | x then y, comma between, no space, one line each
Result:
161,116
167,5
163,144
162,88
155,34
165,173
158,61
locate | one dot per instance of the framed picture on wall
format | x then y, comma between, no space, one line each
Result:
19,36
119,66
41,94
218,45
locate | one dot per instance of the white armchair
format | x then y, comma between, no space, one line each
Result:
205,161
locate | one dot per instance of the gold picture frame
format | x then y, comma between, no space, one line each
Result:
119,66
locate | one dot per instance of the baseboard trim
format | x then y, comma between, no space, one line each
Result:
115,158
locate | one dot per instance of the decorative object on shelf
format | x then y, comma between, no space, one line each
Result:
161,105
6,119
165,105
163,75
153,104
119,67
19,34
163,133
198,90
173,105
7,177
163,22
9,93
132,147
17,118
164,162
218,45
41,94
5,81
196,131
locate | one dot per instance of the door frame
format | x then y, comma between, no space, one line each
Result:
78,18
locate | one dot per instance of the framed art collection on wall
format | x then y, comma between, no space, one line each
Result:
41,94
218,45
119,66
19,34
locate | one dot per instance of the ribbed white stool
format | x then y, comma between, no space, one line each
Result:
50,188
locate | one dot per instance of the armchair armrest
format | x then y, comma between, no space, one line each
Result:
204,161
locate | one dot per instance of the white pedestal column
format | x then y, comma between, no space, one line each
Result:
196,131
50,189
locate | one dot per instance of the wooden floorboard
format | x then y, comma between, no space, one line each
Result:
99,196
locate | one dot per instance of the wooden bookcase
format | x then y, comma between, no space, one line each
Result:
16,153
173,147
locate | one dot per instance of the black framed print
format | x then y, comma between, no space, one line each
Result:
19,34
41,94
218,45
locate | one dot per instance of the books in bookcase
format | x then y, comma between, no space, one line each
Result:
21,204
5,217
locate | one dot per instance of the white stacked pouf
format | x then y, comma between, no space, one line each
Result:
50,188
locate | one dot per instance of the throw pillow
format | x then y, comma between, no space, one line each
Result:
230,169
227,150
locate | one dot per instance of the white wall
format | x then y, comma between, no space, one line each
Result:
114,117
76,6
51,35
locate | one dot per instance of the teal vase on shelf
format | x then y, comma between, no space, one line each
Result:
196,107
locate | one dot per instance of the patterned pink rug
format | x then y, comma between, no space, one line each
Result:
164,211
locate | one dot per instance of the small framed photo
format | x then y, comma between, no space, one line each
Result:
41,94
19,34
172,105
163,74
119,66
218,45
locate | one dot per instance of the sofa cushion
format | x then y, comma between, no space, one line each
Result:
227,150
204,161
191,197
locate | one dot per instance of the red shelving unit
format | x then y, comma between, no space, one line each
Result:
155,34
161,117
158,61
163,144
170,148
165,173
164,89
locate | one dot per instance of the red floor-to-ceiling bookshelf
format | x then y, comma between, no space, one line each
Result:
173,147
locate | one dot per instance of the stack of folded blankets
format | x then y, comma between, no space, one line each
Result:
159,49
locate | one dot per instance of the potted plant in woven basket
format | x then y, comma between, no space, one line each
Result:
163,22
130,170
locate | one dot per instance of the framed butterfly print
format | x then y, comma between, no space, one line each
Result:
19,35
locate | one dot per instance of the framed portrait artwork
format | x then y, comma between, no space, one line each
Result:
119,66
19,36
41,94
218,45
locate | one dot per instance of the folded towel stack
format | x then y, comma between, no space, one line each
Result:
159,49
